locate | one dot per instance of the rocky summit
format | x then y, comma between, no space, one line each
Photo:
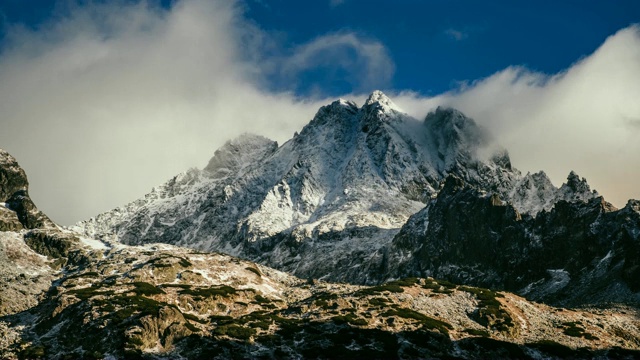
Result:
369,234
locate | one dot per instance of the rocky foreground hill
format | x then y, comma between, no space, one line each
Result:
360,195
159,301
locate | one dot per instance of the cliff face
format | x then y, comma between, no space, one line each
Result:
17,211
24,274
576,253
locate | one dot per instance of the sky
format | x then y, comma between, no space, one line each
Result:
102,100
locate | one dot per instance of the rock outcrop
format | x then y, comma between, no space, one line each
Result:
17,211
578,252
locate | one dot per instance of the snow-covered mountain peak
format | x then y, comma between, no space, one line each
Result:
535,192
457,142
576,184
239,152
379,99
347,103
352,176
577,189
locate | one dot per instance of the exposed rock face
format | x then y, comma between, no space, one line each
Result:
14,198
9,220
63,248
12,176
579,252
32,247
24,275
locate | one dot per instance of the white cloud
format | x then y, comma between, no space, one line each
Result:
335,3
112,99
366,62
585,118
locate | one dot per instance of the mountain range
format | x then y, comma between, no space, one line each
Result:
368,234
352,198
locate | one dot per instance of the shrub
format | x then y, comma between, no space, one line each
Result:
213,291
144,288
394,288
254,270
575,330
261,299
192,317
378,301
192,327
428,322
490,312
476,332
407,282
350,318
235,331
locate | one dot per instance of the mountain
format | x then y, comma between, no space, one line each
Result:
330,199
65,295
577,252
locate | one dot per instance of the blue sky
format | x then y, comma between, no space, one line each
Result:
102,100
434,44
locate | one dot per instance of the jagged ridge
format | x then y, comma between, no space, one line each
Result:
578,252
327,203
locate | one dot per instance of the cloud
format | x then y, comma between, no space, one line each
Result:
578,119
336,3
456,34
110,99
632,123
364,63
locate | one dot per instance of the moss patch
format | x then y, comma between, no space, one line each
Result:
428,322
144,288
575,329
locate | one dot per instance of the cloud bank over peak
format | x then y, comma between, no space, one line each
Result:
364,63
110,99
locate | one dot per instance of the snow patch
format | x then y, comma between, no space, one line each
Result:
94,244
